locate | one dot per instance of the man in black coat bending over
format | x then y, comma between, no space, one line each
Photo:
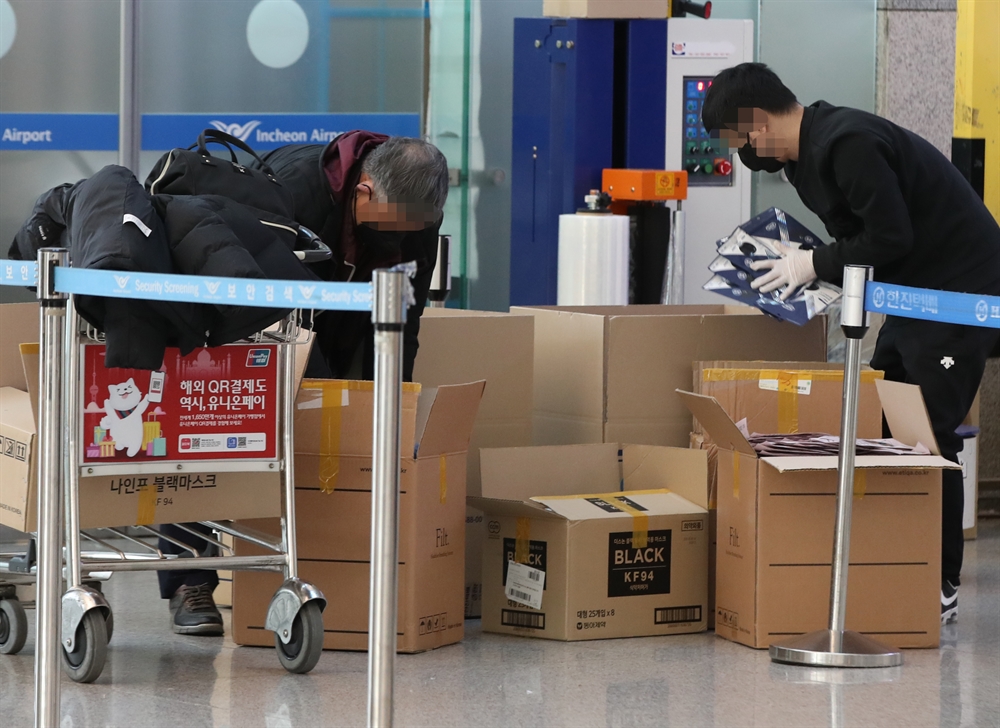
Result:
375,201
892,201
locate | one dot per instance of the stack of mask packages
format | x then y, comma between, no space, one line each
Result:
769,235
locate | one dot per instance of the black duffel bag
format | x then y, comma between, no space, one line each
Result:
193,171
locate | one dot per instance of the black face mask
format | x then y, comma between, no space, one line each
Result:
380,243
748,155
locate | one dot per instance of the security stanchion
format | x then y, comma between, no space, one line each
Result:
388,317
837,647
51,337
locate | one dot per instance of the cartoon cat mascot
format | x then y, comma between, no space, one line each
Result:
125,407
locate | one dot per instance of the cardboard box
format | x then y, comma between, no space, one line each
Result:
609,374
617,563
775,524
106,500
968,458
223,593
465,346
781,397
333,460
777,397
606,8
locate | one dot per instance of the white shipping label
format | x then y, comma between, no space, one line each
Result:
525,584
804,386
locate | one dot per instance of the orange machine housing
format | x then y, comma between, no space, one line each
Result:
643,185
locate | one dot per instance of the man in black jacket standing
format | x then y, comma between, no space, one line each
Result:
376,201
892,201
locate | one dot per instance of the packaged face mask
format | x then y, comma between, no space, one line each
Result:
776,224
799,309
768,236
742,249
725,268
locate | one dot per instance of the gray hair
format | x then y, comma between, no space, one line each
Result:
410,170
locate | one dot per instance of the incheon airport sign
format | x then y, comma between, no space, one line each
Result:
99,132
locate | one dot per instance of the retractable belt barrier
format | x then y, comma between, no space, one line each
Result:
259,292
968,309
387,297
835,646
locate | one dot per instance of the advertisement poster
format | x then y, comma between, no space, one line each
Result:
213,404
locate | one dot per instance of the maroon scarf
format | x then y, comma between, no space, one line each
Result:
342,163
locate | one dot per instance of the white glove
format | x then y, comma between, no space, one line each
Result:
793,270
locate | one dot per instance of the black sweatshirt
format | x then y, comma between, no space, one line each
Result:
893,201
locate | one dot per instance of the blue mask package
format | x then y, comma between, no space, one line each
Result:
776,224
768,236
799,309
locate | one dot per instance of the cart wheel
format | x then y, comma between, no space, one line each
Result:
302,652
109,624
13,626
85,663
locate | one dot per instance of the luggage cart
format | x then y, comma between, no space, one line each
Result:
87,623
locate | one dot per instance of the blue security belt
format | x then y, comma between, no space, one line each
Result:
917,303
969,309
262,293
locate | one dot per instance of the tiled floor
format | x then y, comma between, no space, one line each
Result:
154,678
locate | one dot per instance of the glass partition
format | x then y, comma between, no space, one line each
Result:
821,49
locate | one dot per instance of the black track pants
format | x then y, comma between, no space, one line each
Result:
170,581
947,361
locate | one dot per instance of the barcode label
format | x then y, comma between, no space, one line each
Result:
528,620
676,615
525,585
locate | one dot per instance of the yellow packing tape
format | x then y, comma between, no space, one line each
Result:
860,483
640,524
736,475
443,478
615,494
522,541
817,375
788,402
329,460
146,511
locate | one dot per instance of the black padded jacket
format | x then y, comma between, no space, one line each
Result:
110,222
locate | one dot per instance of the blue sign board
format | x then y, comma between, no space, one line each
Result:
59,132
270,131
99,132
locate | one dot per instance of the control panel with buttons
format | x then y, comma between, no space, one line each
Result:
705,161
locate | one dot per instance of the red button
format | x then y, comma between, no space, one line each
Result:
723,167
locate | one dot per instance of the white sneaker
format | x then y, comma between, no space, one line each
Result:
949,602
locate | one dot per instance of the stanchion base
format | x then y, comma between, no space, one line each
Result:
818,649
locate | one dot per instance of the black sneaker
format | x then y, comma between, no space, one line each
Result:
194,611
949,602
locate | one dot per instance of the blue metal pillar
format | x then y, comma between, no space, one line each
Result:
562,139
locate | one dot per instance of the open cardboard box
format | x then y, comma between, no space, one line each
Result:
106,501
777,396
457,346
333,473
608,373
617,562
775,529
